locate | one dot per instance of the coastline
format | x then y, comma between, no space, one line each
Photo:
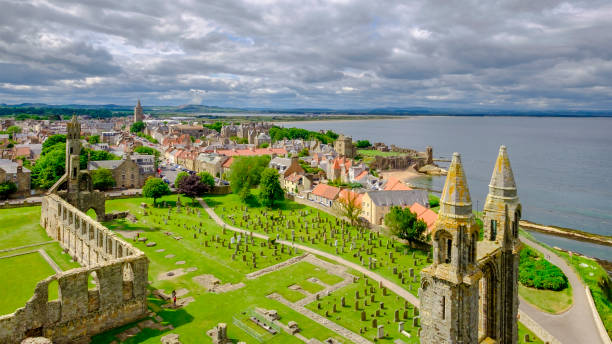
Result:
570,233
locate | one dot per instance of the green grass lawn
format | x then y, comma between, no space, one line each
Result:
17,287
522,331
20,226
230,206
547,300
350,318
374,152
192,321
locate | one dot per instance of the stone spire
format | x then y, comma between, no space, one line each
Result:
456,200
502,181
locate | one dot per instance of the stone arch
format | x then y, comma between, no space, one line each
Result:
54,292
128,281
85,182
487,305
515,222
443,243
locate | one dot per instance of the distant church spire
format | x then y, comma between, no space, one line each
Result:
138,114
456,200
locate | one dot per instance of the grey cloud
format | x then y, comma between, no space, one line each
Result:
343,54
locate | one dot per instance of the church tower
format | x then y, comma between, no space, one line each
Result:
501,215
449,287
138,114
73,151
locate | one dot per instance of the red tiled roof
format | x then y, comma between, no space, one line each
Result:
395,184
293,177
326,191
228,163
425,214
251,152
361,175
346,194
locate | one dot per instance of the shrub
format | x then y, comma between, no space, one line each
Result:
537,272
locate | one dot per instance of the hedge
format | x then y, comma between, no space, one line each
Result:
537,272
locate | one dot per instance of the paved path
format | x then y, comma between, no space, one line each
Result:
575,325
51,262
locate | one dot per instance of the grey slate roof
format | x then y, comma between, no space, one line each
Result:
108,164
10,166
399,197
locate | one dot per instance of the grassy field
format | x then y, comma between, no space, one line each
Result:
547,300
192,321
374,152
17,287
20,227
232,211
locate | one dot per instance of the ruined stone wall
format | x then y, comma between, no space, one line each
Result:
397,162
119,272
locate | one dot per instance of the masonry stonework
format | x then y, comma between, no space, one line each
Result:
118,271
470,292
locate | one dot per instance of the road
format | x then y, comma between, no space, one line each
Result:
576,325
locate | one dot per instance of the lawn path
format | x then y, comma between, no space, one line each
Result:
51,262
390,285
576,325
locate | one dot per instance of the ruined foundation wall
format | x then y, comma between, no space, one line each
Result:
120,273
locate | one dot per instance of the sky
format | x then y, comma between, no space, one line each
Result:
464,54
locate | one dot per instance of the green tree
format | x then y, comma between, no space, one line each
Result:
245,173
12,130
304,152
146,150
207,179
52,141
137,127
7,188
49,167
363,144
102,179
350,207
192,187
269,188
93,139
404,224
155,188
180,177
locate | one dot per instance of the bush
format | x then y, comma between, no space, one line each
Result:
7,188
434,201
537,272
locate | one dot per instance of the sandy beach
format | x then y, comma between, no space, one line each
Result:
402,175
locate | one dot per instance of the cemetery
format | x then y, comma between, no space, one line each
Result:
221,276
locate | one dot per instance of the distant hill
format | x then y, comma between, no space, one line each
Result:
106,110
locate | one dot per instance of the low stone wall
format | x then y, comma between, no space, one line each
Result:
118,270
600,326
538,330
221,190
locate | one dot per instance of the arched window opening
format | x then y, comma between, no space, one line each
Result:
53,291
443,307
449,247
128,281
493,230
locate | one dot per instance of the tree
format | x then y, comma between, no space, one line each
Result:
180,177
192,187
404,224
50,166
245,173
269,188
102,179
155,188
7,188
349,206
304,152
137,127
207,179
52,141
12,130
363,144
93,139
146,150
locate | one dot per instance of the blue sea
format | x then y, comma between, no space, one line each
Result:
562,166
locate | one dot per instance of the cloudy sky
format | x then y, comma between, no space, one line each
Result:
522,54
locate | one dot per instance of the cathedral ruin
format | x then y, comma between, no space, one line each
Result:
470,293
109,290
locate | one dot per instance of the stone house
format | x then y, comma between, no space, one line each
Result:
13,171
127,173
297,183
376,204
211,163
324,194
261,139
344,147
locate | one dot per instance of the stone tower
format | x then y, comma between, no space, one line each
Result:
344,147
501,214
138,114
73,151
450,286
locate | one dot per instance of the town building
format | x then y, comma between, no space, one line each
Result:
13,171
376,204
131,172
138,114
344,147
324,194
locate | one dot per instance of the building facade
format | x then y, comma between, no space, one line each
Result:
138,114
